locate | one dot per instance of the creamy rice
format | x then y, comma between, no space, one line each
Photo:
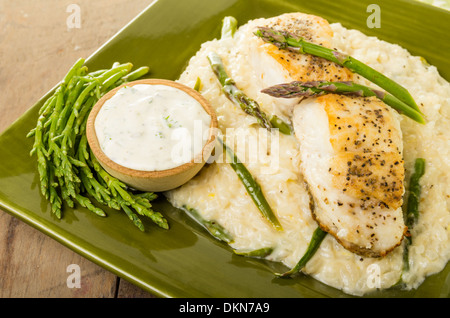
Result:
217,194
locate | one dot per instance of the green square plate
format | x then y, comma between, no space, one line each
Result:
185,261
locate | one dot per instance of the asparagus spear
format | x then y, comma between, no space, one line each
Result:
289,41
259,253
314,244
229,26
198,84
250,184
252,187
237,96
212,227
317,88
248,105
412,207
282,126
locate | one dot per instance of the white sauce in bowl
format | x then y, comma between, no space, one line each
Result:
152,127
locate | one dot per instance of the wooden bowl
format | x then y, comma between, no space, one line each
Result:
159,180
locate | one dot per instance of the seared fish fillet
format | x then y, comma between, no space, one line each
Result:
351,158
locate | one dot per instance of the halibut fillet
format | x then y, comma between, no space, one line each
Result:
351,158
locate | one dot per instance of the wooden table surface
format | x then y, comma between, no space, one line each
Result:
37,46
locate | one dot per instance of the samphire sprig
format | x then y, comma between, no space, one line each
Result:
68,171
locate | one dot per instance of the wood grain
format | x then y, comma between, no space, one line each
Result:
36,49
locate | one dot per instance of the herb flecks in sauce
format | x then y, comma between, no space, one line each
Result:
152,127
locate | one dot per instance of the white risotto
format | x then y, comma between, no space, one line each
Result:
217,193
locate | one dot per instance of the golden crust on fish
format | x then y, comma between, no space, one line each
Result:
303,67
368,163
375,179
351,151
357,128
